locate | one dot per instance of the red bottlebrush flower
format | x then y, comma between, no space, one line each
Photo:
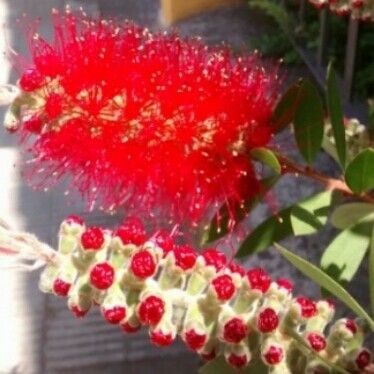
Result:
214,258
150,121
33,124
151,310
224,287
31,80
53,105
143,264
235,330
60,287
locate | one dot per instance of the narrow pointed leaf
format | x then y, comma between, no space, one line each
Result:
371,273
304,218
284,112
344,254
309,122
359,175
336,115
348,215
267,157
325,281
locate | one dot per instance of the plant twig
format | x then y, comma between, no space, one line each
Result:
290,167
24,250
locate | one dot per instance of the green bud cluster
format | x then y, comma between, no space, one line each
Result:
215,307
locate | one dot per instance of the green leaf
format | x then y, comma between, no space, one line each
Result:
222,223
309,122
371,118
311,214
219,366
304,218
325,281
285,109
336,115
343,256
360,172
349,214
371,273
267,157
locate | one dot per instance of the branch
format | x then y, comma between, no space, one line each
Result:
24,250
290,167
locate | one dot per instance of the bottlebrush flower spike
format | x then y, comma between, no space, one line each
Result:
215,310
361,9
143,120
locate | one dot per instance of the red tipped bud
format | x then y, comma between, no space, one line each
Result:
132,231
78,313
363,359
194,340
259,279
92,238
351,326
164,240
285,284
130,329
72,219
224,287
308,307
237,361
235,330
143,264
214,258
209,356
161,339
185,257
114,315
151,310
236,268
267,320
273,355
102,276
60,287
316,341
